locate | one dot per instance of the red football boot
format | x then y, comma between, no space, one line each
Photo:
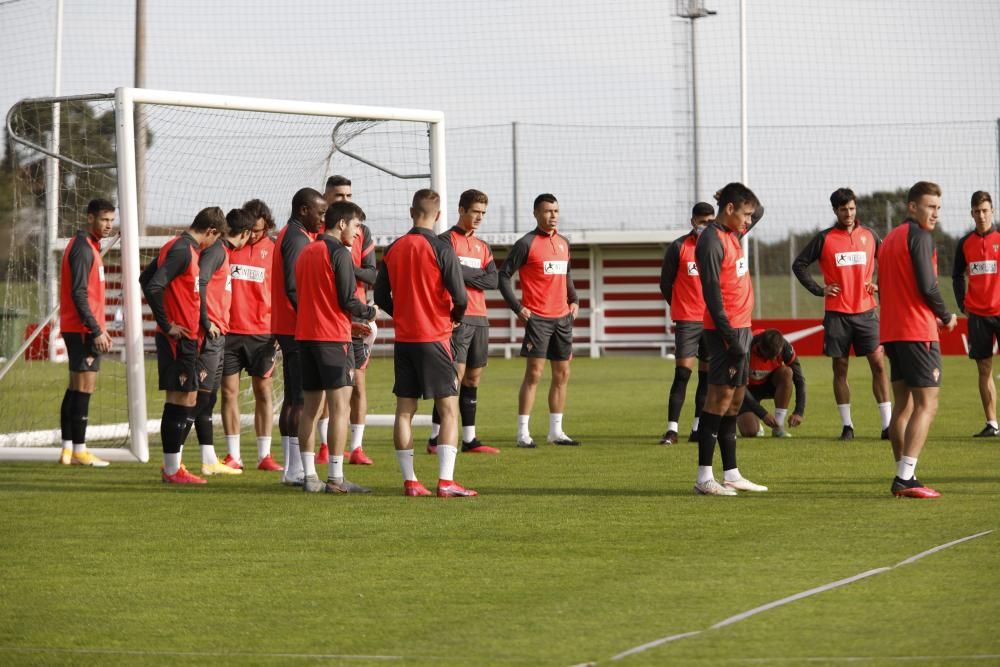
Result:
358,457
232,463
474,446
268,463
449,488
323,455
912,488
414,488
182,476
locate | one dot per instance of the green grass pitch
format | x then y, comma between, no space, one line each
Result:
569,555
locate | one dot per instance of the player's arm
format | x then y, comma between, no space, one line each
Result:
753,405
710,253
81,261
668,271
758,213
571,298
292,246
800,267
344,282
798,379
958,274
515,260
209,262
921,246
451,275
383,288
174,264
366,272
484,279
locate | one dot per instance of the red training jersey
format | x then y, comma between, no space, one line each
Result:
81,286
977,257
542,262
910,298
172,291
292,239
846,258
680,282
725,279
476,259
327,299
250,269
217,292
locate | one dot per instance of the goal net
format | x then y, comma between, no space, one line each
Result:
163,156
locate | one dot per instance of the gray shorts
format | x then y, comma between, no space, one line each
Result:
689,340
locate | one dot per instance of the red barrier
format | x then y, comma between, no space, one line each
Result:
807,336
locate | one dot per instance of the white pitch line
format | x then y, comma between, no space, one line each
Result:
798,596
869,658
194,654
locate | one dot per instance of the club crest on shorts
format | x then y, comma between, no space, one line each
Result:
937,374
350,375
202,374
529,346
183,377
732,371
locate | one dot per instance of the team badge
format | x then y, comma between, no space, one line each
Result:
732,371
350,375
529,346
996,247
864,240
263,254
937,374
90,361
202,374
183,377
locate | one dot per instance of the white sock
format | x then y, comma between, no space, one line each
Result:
779,416
263,446
171,463
294,468
906,467
694,424
468,433
324,426
233,445
993,424
67,444
208,456
731,475
308,463
705,474
284,453
522,427
555,424
446,461
357,434
405,459
336,469
672,426
885,413
435,430
845,414
79,447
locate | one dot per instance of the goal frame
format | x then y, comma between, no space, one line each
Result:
125,104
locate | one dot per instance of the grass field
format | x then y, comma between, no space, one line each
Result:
569,555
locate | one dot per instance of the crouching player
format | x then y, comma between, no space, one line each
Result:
774,372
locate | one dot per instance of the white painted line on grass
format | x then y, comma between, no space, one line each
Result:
867,658
193,654
798,596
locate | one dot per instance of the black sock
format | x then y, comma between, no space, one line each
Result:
65,415
700,393
78,418
172,426
435,416
708,430
467,404
678,390
727,441
203,417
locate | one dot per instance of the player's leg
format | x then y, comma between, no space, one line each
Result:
748,424
406,387
920,374
439,380
233,362
988,396
358,409
291,409
686,343
210,361
470,374
177,366
460,338
261,368
700,393
560,354
783,386
837,336
84,363
717,400
312,406
322,428
981,339
880,388
339,406
537,332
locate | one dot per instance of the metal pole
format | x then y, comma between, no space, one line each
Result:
997,191
791,276
439,178
744,168
756,277
513,151
51,281
141,136
694,117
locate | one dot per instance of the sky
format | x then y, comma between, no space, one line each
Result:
869,95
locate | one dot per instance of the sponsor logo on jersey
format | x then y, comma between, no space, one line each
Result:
741,267
856,258
100,273
471,262
254,274
983,268
692,268
555,267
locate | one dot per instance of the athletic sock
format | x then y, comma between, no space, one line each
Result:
707,433
699,395
308,461
727,441
208,455
885,413
731,475
294,466
324,426
286,459
705,473
555,425
845,414
263,446
80,411
435,429
468,397
672,426
233,446
203,418
65,417
523,433
171,462
779,416
446,461
468,433
335,471
79,447
678,390
172,425
695,423
993,424
357,436
906,468
405,459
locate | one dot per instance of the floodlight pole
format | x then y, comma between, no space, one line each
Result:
693,11
141,138
51,282
744,169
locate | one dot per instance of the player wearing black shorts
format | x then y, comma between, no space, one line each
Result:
81,321
912,311
249,343
215,290
976,259
728,292
170,285
547,309
470,341
326,303
420,286
775,372
846,254
681,288
308,209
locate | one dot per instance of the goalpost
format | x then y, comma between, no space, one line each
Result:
203,150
